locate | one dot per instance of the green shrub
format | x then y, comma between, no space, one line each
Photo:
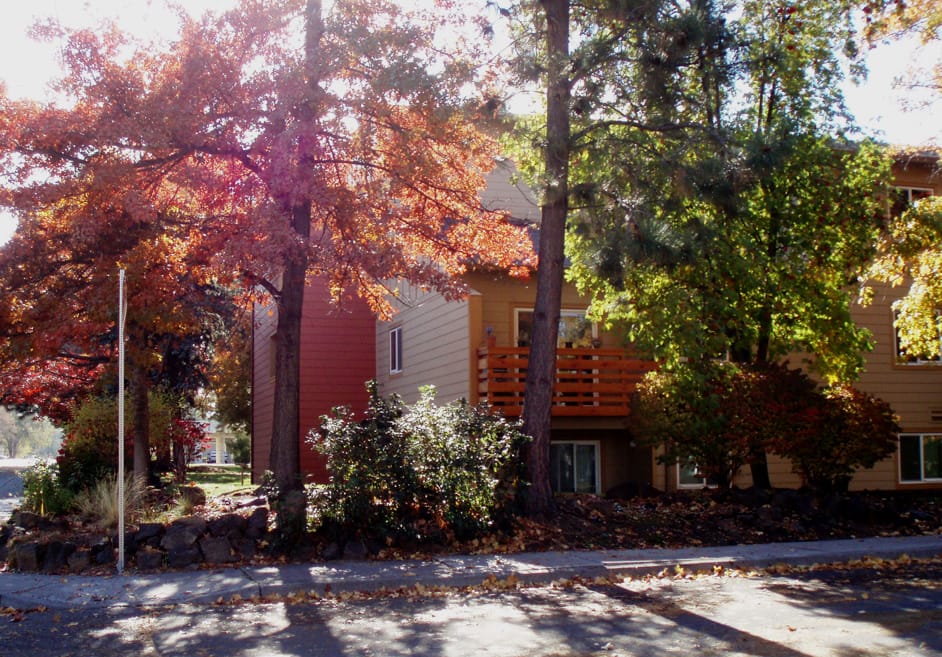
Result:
43,491
240,447
89,451
680,411
422,473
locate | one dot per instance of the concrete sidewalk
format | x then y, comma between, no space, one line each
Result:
25,590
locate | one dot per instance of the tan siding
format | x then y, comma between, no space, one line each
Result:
436,342
503,296
912,390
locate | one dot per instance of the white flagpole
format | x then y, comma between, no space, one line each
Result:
121,315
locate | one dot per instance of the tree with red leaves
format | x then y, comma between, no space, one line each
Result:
269,144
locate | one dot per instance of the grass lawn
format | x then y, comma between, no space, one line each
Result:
219,480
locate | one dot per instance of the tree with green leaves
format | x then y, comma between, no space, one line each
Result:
911,252
563,48
722,215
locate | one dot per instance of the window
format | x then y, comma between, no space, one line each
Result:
574,467
900,198
689,476
574,329
395,350
902,358
920,457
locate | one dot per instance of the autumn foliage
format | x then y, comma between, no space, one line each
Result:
269,144
720,415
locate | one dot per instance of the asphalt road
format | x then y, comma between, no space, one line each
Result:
840,613
11,488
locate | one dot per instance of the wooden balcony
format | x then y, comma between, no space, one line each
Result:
589,382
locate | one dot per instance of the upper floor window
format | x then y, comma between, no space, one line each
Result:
395,350
903,358
575,330
901,198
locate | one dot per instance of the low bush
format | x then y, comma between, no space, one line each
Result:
722,416
419,473
43,491
846,430
680,412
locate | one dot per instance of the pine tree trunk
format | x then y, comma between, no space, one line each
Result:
541,371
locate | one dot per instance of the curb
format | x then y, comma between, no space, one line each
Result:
22,591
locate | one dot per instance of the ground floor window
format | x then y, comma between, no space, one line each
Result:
689,476
920,457
574,466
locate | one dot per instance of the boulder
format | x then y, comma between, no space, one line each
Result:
149,559
230,525
245,548
30,521
356,550
104,555
216,549
183,533
28,556
57,555
183,557
79,560
257,523
149,533
193,495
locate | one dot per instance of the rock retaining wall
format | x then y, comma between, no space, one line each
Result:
187,541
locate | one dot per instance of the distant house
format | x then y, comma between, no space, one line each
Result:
477,349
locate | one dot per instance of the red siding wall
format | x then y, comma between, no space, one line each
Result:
338,356
263,387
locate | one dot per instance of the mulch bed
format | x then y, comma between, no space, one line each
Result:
711,518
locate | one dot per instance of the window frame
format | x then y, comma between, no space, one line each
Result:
920,193
923,479
704,481
395,350
564,312
597,453
902,360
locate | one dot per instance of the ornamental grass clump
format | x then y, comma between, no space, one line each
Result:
99,502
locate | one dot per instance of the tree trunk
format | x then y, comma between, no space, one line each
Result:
140,424
759,468
541,372
285,454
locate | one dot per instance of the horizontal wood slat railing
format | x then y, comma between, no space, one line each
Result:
589,382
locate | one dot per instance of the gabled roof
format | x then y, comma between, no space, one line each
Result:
507,191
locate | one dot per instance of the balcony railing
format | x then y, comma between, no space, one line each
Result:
589,382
